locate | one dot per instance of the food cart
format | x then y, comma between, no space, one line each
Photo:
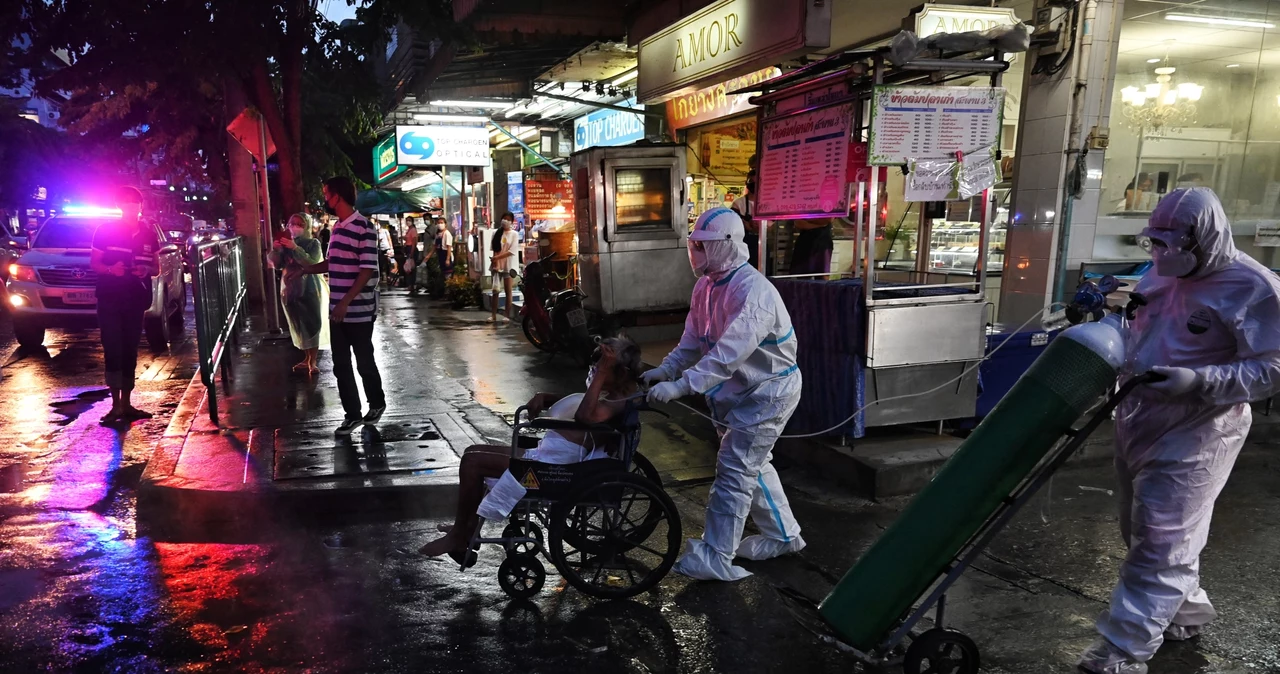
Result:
632,223
904,341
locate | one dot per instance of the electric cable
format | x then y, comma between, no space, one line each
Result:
1037,316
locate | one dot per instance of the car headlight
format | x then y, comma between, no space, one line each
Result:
21,272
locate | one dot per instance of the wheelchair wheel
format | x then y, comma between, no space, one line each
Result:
521,576
523,529
596,539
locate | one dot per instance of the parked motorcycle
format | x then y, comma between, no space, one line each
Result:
555,322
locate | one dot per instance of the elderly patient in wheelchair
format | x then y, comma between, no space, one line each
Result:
610,382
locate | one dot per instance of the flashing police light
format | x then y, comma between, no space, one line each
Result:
91,211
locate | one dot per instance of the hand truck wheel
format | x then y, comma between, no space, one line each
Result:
524,529
521,576
941,651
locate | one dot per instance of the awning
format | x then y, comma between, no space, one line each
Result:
394,202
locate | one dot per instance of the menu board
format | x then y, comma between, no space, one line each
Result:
804,164
548,199
909,123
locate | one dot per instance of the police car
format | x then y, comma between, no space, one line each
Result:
51,286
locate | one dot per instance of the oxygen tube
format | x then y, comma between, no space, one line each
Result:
1089,302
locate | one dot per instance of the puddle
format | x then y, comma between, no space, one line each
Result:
73,408
11,477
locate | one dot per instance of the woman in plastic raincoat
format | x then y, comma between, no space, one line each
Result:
305,297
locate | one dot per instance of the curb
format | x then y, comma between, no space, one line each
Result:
172,507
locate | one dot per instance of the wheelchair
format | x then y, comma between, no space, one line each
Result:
606,525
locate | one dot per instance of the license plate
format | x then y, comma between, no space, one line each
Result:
79,297
577,318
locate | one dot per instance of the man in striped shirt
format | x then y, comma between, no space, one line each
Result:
352,266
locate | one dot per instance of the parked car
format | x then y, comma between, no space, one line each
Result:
51,285
13,243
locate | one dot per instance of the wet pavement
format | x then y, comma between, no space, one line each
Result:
81,592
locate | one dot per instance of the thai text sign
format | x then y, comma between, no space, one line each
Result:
715,102
728,38
442,146
909,123
548,199
384,160
605,128
804,165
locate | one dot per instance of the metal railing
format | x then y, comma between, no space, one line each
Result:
218,288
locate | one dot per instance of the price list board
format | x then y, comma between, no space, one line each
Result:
804,164
910,123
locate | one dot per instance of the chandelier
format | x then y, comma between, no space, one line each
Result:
1161,104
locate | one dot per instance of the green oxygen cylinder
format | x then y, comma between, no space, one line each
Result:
881,588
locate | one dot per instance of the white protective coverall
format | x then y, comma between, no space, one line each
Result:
1216,333
739,350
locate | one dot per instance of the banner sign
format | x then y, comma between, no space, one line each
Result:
384,160
548,199
803,171
606,128
715,101
910,123
442,146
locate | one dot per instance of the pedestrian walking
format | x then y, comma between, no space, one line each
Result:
325,233
505,246
1212,328
353,300
386,252
413,256
443,251
124,257
304,296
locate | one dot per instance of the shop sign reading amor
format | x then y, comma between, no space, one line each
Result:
727,39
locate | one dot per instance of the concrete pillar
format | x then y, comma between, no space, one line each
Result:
1040,234
244,201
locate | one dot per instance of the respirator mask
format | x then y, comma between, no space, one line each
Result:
1172,252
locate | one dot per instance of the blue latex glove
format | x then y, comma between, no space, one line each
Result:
668,391
1178,380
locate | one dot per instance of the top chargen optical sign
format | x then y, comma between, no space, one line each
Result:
727,39
442,146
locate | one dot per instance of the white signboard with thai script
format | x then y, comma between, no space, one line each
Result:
727,39
804,165
910,123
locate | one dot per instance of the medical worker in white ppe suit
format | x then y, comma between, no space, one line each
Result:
1213,329
738,350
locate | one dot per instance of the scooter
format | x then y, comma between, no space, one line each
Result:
555,322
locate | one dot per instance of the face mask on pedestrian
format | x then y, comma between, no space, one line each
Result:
328,205
506,225
1173,253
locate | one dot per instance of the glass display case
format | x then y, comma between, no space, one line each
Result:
954,239
954,228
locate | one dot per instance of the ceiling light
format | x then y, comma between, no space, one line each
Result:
1233,65
626,77
1153,60
438,117
484,105
1218,20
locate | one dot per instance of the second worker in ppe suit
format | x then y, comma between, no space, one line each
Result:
739,350
1212,327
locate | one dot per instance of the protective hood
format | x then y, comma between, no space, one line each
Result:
1198,211
719,232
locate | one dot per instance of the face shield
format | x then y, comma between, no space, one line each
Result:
1172,251
698,257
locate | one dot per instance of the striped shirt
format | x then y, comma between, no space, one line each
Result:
353,246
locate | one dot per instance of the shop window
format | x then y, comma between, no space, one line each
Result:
643,198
